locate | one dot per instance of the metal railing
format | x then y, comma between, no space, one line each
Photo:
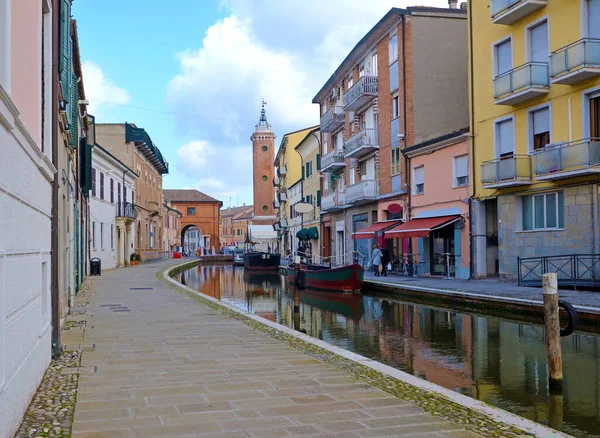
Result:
515,168
282,196
366,86
366,137
498,6
532,74
282,170
575,155
367,188
333,118
126,209
333,199
572,270
151,255
582,53
276,181
333,158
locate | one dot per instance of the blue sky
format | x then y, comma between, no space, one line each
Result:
193,74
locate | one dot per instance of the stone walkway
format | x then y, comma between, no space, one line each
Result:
167,365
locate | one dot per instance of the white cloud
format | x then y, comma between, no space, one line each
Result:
283,51
99,89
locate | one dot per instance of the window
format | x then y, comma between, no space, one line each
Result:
393,48
112,243
318,162
319,198
395,107
505,138
374,64
265,208
362,168
265,177
361,70
191,211
593,22
503,57
112,191
101,235
94,235
101,186
396,160
461,170
239,232
93,182
419,180
539,121
594,117
119,193
538,42
544,211
265,149
350,81
309,169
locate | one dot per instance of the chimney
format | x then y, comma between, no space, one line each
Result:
453,4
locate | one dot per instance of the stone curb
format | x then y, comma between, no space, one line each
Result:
444,403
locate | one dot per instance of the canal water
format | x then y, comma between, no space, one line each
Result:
498,361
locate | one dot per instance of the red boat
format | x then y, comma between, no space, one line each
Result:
344,279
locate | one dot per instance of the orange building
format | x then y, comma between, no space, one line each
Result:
263,155
197,210
234,225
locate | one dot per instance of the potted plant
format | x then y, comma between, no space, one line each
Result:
134,259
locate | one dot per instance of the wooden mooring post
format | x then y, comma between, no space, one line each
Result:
552,325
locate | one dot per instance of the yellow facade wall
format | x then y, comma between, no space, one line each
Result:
565,26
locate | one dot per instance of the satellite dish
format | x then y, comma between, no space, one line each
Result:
303,207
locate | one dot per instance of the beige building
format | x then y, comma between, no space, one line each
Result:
233,225
171,227
134,147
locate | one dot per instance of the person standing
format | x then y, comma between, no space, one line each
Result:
385,259
376,260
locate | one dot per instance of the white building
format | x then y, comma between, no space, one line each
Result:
26,175
112,210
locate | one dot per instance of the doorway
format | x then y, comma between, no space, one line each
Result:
441,243
326,242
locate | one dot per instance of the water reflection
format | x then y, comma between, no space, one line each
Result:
494,360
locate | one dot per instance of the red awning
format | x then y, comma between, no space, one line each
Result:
369,232
420,227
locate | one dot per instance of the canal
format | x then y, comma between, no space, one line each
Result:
496,360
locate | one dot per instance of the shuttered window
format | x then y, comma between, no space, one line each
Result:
461,170
540,128
593,10
112,190
101,186
419,180
503,57
319,198
538,40
505,136
93,182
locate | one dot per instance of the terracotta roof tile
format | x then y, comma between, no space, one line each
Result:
189,195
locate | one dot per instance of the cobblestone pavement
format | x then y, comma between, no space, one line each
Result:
157,362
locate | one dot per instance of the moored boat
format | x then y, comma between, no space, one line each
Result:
342,279
350,305
261,261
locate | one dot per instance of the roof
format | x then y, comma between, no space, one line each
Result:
187,195
377,32
293,139
315,129
433,141
233,211
145,144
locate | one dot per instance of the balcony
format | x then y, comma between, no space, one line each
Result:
126,210
576,62
362,143
276,204
506,172
282,170
333,161
333,119
360,93
276,181
522,83
282,197
511,11
567,160
362,192
333,201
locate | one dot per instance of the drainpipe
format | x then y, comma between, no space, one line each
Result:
56,343
472,145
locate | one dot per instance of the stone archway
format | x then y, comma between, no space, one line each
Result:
191,238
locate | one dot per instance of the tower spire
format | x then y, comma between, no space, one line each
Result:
263,114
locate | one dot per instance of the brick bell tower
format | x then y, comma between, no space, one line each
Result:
263,155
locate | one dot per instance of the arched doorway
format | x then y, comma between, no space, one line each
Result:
191,239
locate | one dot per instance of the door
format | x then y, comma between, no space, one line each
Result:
538,41
441,244
326,242
360,245
340,248
593,12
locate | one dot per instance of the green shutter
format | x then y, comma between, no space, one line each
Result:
65,34
318,161
318,197
74,107
85,179
302,172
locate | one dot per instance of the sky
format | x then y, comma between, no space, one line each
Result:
193,74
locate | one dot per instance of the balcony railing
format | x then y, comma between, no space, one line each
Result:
333,200
576,62
362,143
282,170
282,197
333,160
360,93
333,119
506,172
522,83
126,209
364,190
510,11
567,160
276,181
276,204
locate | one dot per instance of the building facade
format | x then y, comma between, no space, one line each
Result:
535,101
171,227
26,176
409,85
263,151
134,147
200,211
234,225
112,218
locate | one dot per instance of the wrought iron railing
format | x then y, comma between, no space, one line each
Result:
532,74
576,155
572,270
366,86
579,54
365,137
126,209
515,168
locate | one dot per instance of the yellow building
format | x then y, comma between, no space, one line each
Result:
309,149
535,104
288,165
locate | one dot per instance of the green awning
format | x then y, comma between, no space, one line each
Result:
313,233
302,234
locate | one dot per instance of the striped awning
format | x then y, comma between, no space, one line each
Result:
371,231
420,227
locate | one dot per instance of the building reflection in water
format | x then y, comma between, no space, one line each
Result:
494,360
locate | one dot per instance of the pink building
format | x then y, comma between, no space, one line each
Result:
439,223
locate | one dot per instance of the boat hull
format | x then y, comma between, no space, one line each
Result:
261,261
345,279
